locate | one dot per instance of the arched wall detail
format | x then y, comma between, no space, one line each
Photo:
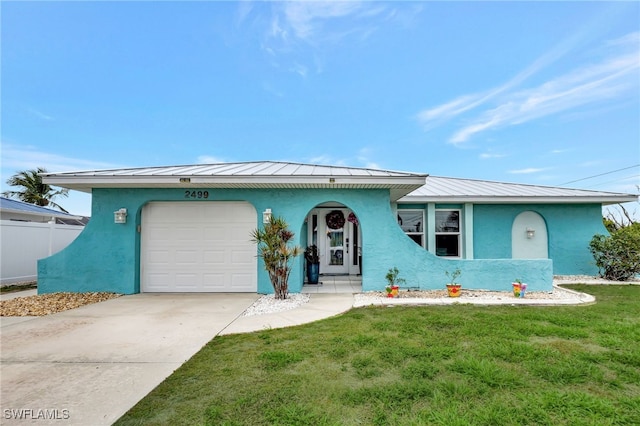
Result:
529,239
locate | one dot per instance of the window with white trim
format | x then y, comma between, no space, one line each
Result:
448,233
412,223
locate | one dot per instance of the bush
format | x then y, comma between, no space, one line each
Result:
618,256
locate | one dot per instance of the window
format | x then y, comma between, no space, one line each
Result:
412,223
448,233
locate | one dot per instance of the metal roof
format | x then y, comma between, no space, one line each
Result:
405,187
15,206
445,189
263,174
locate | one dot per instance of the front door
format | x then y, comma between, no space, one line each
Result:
336,252
337,241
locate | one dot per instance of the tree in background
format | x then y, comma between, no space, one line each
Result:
33,190
273,246
623,218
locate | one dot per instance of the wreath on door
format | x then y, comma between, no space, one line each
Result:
335,219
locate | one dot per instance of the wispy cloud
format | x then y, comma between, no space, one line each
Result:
527,171
268,87
306,19
488,155
560,151
326,159
361,159
39,114
16,158
209,159
467,102
300,31
614,78
299,69
364,159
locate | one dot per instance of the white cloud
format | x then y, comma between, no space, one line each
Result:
431,117
528,170
322,159
364,159
306,19
467,102
268,87
299,69
302,31
614,78
16,158
487,155
39,114
361,160
209,159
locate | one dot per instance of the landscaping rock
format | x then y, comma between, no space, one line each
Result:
45,304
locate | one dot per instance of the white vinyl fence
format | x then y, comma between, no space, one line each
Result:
23,243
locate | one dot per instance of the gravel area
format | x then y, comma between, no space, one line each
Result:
45,304
467,296
268,304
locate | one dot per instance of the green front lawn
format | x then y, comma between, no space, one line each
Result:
430,365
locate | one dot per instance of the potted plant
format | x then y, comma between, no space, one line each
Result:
313,264
519,288
453,288
393,282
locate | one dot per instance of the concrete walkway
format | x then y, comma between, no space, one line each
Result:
88,366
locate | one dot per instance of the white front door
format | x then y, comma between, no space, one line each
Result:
336,244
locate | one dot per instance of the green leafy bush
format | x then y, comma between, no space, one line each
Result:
618,256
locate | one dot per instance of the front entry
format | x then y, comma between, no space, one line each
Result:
336,233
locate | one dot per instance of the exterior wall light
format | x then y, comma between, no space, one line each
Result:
120,216
530,233
266,216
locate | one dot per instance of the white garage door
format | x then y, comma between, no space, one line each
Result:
198,247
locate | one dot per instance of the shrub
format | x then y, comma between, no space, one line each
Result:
618,256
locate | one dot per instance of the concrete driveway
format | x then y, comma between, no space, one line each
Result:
88,366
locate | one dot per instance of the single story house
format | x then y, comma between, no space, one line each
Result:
187,228
28,233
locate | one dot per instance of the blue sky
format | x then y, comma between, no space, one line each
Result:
532,92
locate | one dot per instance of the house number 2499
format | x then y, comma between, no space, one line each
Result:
196,194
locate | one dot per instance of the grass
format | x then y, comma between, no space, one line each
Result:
436,365
12,288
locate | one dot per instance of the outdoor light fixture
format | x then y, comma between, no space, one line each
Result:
266,216
530,233
120,216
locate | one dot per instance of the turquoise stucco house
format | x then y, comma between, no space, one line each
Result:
187,228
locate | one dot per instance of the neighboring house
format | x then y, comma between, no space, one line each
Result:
28,233
187,228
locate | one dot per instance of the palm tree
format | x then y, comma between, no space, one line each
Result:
33,191
273,246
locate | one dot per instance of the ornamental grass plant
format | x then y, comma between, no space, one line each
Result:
428,365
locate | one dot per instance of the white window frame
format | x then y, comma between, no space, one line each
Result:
458,234
422,225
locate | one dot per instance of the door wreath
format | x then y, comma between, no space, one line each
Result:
335,219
